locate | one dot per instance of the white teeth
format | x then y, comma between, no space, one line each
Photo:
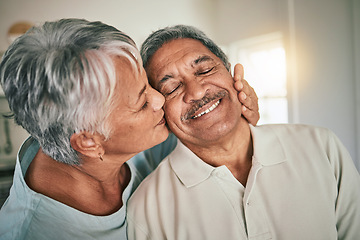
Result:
208,110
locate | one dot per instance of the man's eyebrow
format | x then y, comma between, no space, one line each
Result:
201,59
163,80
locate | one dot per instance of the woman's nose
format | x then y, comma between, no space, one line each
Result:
194,90
157,101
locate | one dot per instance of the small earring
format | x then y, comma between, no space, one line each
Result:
101,158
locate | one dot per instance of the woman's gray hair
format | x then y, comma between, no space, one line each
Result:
59,79
162,36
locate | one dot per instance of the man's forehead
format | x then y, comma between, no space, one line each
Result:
184,52
188,60
185,48
182,56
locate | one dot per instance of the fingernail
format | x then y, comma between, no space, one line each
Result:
241,85
243,95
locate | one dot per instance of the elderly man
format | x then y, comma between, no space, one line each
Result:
227,179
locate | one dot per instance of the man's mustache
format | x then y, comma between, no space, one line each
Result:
197,104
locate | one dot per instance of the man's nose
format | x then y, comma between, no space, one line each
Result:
194,90
157,100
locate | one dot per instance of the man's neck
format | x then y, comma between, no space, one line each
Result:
234,150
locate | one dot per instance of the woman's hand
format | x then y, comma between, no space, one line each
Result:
247,96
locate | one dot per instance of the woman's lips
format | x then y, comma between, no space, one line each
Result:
162,121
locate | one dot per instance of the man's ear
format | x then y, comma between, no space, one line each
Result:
87,144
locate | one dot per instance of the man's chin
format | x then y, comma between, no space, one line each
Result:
205,137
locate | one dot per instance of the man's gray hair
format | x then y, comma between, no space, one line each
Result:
164,35
59,79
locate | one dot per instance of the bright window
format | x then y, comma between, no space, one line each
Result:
264,64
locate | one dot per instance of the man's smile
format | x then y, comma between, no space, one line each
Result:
199,107
212,107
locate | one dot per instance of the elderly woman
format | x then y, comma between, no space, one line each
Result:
80,90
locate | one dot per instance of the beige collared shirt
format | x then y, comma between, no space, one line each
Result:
302,185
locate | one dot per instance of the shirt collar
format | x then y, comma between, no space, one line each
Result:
188,167
191,170
268,149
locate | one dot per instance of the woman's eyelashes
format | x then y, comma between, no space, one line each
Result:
145,105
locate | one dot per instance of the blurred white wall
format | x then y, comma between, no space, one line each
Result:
323,52
135,17
322,42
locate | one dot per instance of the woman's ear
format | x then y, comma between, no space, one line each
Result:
87,144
